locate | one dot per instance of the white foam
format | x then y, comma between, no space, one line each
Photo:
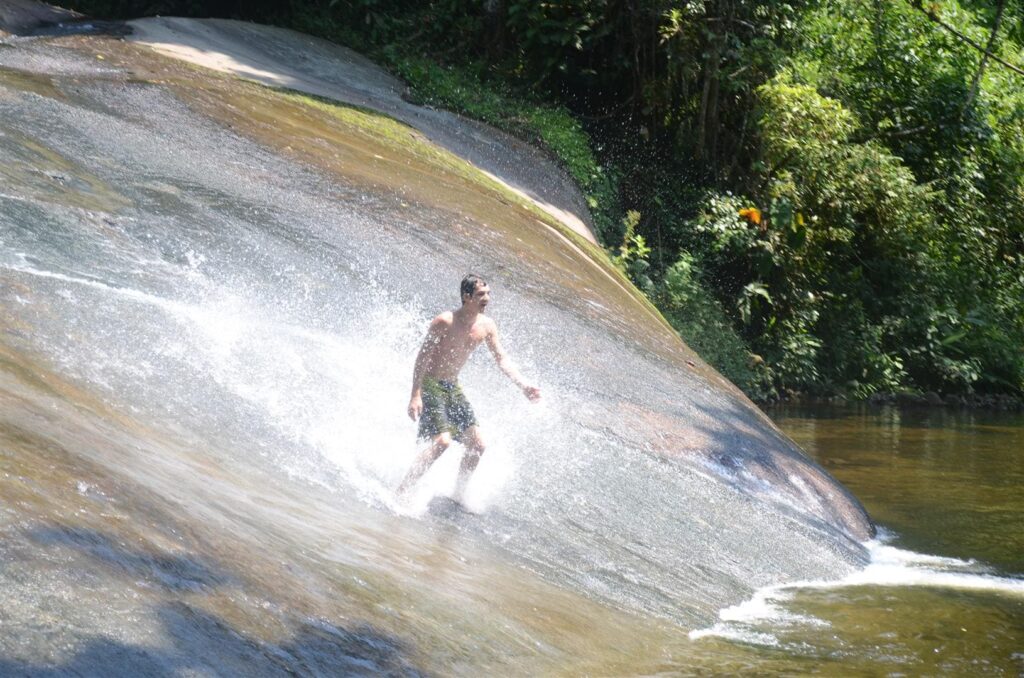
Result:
763,606
136,295
339,396
888,566
745,637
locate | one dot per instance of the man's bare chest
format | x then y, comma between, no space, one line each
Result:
462,341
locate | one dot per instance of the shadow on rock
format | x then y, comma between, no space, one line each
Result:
172,571
202,643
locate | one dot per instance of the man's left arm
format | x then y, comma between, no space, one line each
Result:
508,367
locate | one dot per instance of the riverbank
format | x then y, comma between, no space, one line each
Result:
854,265
867,270
930,399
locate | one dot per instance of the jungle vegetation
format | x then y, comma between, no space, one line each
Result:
822,196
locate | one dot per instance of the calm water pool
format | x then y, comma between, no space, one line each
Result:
944,594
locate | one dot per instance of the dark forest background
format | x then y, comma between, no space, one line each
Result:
823,196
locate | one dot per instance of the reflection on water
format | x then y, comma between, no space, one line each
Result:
949,482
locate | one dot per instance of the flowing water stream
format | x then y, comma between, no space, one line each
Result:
211,297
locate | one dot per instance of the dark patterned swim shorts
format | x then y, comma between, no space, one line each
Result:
445,408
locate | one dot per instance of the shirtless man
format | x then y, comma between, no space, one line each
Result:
437,400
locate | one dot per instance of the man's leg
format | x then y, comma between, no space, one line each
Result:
424,459
475,447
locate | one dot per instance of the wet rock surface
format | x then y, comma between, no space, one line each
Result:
285,58
211,296
31,18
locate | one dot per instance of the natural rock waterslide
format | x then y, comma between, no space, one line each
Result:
283,58
212,293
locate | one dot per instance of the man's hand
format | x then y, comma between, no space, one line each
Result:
531,392
415,407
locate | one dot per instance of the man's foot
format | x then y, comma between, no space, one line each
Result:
450,507
403,502
445,506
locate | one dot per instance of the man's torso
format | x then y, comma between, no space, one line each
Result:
454,346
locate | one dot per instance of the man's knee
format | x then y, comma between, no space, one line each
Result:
475,445
438,444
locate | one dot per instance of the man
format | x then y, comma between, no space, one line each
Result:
437,400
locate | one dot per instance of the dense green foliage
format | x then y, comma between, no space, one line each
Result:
550,126
821,195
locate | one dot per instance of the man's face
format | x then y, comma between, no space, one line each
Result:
481,297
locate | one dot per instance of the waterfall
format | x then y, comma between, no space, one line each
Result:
212,297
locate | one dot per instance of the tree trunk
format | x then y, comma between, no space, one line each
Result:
495,22
984,58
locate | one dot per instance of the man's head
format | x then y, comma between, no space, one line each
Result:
474,291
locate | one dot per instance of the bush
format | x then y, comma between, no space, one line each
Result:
703,324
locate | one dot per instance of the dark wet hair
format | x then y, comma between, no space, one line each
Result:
469,285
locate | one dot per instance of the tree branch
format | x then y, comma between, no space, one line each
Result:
984,59
933,16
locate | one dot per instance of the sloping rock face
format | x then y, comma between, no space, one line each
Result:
283,58
212,293
24,16
31,18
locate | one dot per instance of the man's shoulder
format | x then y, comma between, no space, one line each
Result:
443,318
488,323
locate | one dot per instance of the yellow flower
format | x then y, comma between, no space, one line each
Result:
751,214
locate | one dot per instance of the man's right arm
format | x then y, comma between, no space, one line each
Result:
437,329
508,367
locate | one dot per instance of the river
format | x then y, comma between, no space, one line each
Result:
944,594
